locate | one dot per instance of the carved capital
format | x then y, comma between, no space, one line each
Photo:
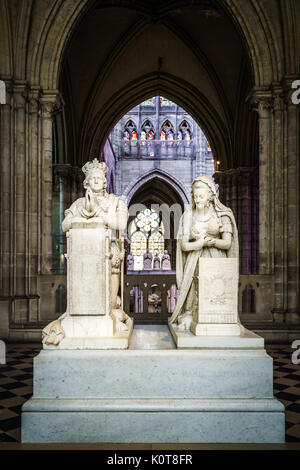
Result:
51,102
34,100
260,100
20,94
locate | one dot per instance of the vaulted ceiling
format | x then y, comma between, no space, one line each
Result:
190,52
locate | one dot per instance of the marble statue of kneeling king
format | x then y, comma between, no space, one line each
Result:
95,257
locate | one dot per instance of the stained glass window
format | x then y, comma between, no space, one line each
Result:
130,132
134,135
149,102
138,244
166,102
148,130
185,131
147,220
156,243
146,231
166,132
187,136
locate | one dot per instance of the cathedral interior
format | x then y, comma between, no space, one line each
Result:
161,92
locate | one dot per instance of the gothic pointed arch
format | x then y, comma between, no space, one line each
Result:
147,130
167,131
183,195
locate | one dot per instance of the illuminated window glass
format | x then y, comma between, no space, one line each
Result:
156,243
147,220
170,135
150,102
138,244
165,102
145,232
134,135
185,131
130,132
148,130
166,132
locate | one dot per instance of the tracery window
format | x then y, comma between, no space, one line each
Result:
146,231
147,131
147,220
156,244
138,246
130,132
167,132
184,131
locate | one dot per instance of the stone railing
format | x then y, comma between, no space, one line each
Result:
157,149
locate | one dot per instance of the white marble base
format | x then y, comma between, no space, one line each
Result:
154,421
93,332
244,339
215,329
221,394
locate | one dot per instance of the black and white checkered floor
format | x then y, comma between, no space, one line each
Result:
16,388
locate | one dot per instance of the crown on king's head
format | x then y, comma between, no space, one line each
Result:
94,165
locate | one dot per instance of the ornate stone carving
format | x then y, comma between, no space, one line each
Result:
166,261
130,262
147,260
53,333
156,262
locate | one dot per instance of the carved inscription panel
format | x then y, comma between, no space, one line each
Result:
88,272
218,290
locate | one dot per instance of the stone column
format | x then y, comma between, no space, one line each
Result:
280,176
262,103
6,117
49,104
292,209
61,200
33,198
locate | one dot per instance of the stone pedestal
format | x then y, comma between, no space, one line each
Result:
221,393
216,307
89,268
88,323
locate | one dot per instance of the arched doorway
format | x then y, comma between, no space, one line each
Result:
210,101
96,59
150,291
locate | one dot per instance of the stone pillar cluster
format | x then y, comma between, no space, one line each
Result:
238,189
279,192
26,196
266,202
